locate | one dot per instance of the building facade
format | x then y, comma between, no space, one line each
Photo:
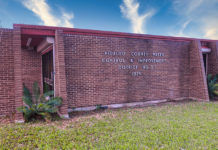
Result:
88,67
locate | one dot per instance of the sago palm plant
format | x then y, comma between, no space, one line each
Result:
37,104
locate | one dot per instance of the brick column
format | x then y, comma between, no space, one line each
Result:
17,73
213,58
60,76
198,84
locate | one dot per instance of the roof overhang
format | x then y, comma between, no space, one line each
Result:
50,31
45,44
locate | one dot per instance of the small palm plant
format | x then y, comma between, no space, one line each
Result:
212,82
37,104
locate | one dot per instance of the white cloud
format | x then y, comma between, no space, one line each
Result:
181,31
187,6
200,12
210,24
130,9
41,9
66,17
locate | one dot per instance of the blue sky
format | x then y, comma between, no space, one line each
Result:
185,18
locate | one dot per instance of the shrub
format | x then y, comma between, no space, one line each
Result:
212,82
41,105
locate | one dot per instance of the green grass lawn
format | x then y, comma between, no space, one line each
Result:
179,127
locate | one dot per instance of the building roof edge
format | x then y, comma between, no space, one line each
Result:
29,29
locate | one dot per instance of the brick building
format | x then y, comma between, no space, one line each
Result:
88,67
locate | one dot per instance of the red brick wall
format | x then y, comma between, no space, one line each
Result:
197,81
31,68
18,92
213,58
84,78
16,67
60,77
91,81
6,72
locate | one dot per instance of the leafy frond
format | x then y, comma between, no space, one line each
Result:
28,112
22,108
45,104
216,86
36,92
49,93
55,101
47,116
27,97
44,97
215,93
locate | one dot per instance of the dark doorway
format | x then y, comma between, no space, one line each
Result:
47,71
205,58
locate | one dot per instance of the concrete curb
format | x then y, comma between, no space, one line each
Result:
123,105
